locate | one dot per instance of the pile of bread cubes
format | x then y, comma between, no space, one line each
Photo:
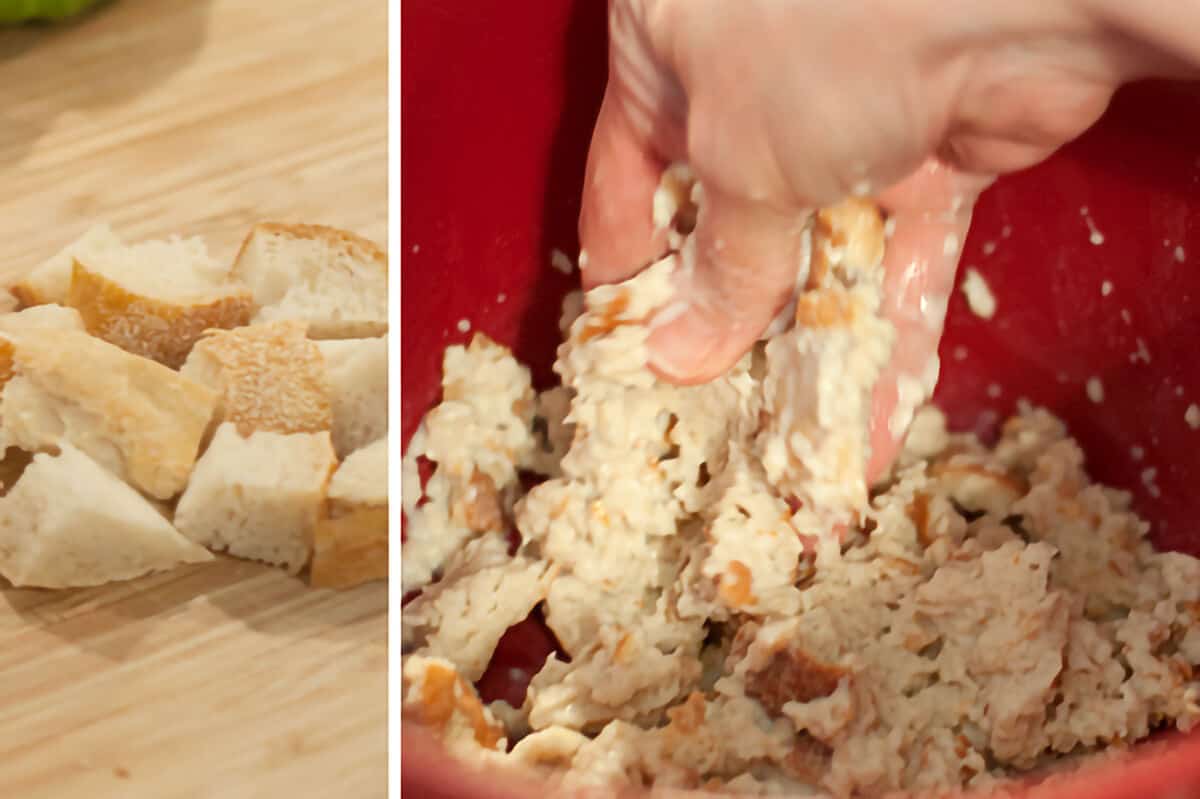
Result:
156,404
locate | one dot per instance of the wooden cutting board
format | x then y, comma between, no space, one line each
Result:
193,116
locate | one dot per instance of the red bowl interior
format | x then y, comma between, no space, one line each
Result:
498,100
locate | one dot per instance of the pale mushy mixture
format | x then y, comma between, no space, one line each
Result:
740,614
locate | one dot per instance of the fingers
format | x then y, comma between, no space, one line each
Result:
616,231
738,269
930,213
967,151
428,771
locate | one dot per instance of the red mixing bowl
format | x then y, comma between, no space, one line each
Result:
498,101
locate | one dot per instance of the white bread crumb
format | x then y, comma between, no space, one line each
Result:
979,295
1149,475
1192,416
561,261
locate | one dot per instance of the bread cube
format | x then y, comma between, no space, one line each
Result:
258,497
69,522
334,280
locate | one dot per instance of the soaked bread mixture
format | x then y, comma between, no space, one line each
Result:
738,612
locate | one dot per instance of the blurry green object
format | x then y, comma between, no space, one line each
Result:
30,10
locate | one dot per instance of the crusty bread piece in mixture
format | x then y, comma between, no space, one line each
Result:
135,417
334,280
358,382
69,522
350,545
436,696
158,313
270,378
12,465
258,497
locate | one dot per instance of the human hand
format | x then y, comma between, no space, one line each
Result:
781,107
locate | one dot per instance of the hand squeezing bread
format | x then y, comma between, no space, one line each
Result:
155,402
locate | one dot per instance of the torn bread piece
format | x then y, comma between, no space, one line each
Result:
41,317
69,522
137,418
49,281
483,592
157,301
357,371
37,317
258,497
269,378
820,374
350,543
334,280
156,260
477,437
437,696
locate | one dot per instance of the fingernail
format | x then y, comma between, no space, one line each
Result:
681,346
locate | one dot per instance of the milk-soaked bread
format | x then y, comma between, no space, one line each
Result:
334,280
70,522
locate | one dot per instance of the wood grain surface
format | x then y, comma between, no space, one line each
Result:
193,116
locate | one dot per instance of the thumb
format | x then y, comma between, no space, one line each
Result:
737,271
616,232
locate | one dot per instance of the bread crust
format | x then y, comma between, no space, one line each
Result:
350,541
136,417
270,377
313,295
160,329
